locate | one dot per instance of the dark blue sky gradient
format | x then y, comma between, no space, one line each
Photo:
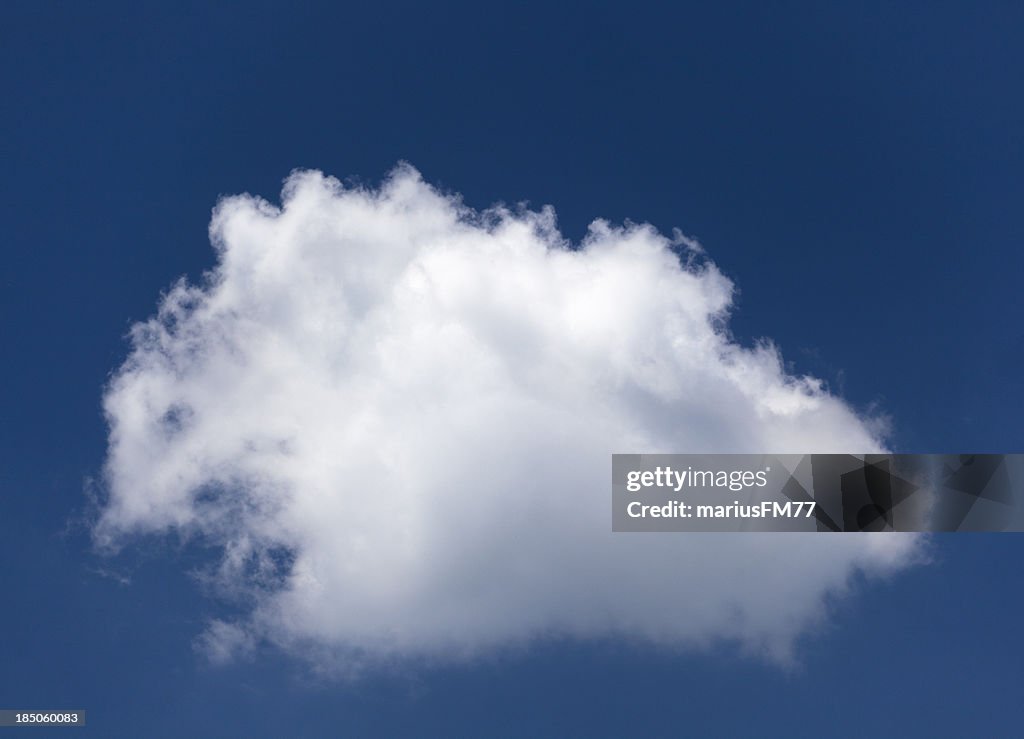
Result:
858,171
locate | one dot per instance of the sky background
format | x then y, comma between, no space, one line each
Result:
858,172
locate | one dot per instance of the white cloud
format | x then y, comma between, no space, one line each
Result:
395,415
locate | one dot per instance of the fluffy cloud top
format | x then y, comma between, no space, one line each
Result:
394,415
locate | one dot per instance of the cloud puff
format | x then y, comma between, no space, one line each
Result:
393,416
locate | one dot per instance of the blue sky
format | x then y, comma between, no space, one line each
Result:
856,171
